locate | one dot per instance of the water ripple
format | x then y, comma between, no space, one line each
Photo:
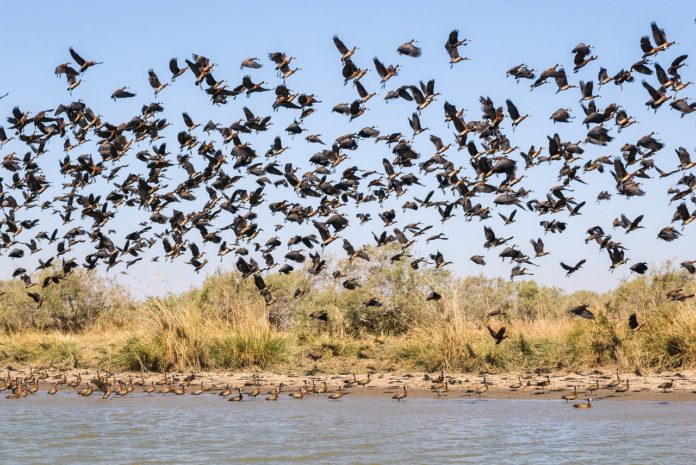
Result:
197,430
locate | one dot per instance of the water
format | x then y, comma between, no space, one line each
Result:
139,429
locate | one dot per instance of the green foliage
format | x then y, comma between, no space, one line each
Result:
81,299
140,354
43,350
225,324
245,351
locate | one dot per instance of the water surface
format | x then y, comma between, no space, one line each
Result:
207,429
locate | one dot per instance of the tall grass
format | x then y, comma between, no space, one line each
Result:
56,350
182,335
225,324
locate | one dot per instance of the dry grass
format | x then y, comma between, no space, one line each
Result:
184,335
225,325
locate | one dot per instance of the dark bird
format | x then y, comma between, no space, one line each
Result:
538,246
688,265
345,52
400,395
572,269
37,298
174,69
154,83
122,93
252,63
84,64
514,113
633,322
666,386
409,49
320,315
452,47
640,267
668,234
582,311
498,335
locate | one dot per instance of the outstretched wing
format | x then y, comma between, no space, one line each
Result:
78,59
173,66
340,45
658,34
379,66
512,109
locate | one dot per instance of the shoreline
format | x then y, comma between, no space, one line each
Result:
419,385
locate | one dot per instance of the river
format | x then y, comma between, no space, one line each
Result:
141,429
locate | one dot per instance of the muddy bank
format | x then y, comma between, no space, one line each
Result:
596,384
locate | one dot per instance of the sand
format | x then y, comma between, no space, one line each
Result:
419,385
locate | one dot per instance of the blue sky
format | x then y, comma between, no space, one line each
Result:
131,37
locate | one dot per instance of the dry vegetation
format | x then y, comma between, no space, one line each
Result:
224,325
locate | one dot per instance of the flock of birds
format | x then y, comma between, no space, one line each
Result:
133,165
108,384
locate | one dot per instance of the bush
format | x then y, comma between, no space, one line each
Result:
81,299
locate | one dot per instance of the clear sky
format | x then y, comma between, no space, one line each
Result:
131,37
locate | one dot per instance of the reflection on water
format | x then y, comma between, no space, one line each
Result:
206,429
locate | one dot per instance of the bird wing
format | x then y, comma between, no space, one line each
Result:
362,92
340,45
492,332
587,91
152,77
512,109
248,114
651,90
561,78
675,64
194,68
276,57
645,44
78,59
388,167
437,142
187,119
658,34
348,247
684,157
430,87
661,74
173,66
379,66
453,38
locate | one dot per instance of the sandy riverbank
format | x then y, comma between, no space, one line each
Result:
597,384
